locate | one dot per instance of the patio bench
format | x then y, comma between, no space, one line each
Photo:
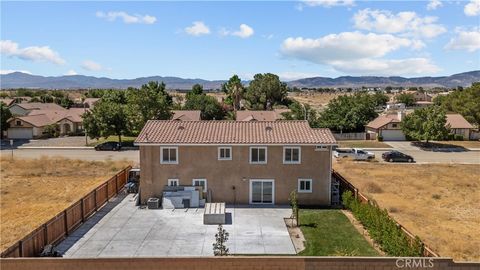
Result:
214,213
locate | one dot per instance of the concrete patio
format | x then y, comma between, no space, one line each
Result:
121,229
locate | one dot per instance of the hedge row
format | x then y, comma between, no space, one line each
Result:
383,229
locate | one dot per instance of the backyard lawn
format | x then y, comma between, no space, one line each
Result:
363,144
35,190
330,233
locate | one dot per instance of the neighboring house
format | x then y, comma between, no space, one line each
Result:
90,102
30,119
458,125
247,115
392,106
419,96
388,126
7,101
186,115
249,162
22,109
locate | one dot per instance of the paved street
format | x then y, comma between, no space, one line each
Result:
468,157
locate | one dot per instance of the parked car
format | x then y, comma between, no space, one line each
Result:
354,153
112,146
396,156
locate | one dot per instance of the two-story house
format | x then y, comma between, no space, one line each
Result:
243,162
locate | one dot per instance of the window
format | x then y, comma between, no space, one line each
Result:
394,125
321,148
304,185
19,123
169,155
258,155
291,155
173,182
200,183
225,153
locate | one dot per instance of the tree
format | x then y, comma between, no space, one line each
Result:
426,124
293,198
297,112
221,237
210,108
52,130
407,99
348,113
150,102
235,92
5,115
465,102
265,91
197,89
106,119
380,99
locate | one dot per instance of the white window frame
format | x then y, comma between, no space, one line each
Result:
321,148
170,181
299,155
224,147
161,155
258,162
200,179
304,190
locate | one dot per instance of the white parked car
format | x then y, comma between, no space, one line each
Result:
354,153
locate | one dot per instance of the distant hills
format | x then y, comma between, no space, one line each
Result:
23,80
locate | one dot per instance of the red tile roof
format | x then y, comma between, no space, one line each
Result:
233,132
457,121
383,120
186,115
260,115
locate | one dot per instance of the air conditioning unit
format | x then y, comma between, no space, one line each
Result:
153,203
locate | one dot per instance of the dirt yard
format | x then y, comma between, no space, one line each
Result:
318,101
35,190
438,202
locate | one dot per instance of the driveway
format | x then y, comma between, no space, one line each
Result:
125,230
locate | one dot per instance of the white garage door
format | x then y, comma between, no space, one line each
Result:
393,135
20,133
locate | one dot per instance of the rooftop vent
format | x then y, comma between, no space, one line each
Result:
180,128
268,128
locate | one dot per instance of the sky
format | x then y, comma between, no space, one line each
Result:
216,39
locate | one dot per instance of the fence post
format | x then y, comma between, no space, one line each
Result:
95,199
20,248
45,234
83,212
116,184
65,222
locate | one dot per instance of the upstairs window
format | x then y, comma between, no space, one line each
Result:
169,155
200,183
173,182
291,155
18,123
258,155
225,153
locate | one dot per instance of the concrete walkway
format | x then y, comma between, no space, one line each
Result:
129,231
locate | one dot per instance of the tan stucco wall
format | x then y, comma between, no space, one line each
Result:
202,162
465,132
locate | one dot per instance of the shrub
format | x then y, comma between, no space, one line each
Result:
51,131
450,137
382,228
380,138
458,137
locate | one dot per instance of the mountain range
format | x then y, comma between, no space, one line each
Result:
24,80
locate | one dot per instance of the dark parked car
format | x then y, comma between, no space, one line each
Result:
395,156
112,146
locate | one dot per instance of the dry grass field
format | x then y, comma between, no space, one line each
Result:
35,190
318,101
438,202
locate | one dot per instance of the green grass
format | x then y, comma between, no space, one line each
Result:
330,233
363,144
125,140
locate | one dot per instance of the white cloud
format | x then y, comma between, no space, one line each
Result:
434,4
358,53
344,46
465,40
91,65
197,29
406,23
34,53
293,75
8,71
472,8
125,17
245,31
387,67
71,72
327,3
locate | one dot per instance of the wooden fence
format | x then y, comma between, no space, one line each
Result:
57,228
346,185
350,136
